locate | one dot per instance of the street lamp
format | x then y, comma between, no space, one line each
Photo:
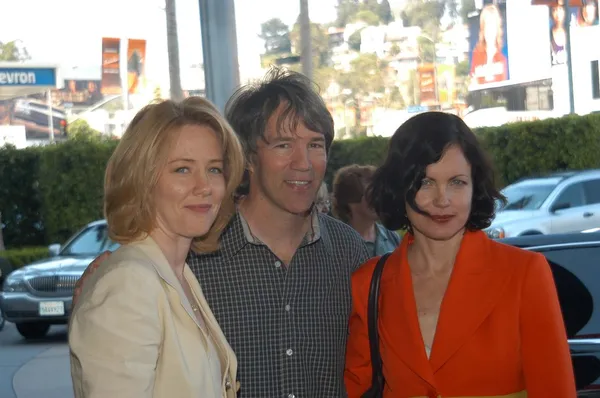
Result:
435,80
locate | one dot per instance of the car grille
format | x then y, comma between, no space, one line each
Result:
53,284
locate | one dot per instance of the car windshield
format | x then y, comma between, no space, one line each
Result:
529,194
90,242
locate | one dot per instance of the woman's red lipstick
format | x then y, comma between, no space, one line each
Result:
441,219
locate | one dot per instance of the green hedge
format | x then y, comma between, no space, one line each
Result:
48,193
24,256
71,179
517,149
523,149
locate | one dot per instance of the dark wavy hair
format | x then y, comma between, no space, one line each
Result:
249,109
419,142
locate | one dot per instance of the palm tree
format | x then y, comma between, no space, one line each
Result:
173,51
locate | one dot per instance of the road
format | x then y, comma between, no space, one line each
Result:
34,369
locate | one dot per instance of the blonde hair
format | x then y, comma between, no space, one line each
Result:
135,166
491,11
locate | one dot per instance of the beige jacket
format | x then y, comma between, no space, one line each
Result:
133,332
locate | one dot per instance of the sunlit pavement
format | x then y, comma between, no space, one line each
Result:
34,369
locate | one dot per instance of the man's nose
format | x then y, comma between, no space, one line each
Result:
301,159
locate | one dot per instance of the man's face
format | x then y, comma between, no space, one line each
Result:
288,168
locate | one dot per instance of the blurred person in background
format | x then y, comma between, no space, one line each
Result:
323,203
350,205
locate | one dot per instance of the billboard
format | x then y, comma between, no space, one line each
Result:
488,44
79,92
583,13
111,66
426,78
136,61
586,14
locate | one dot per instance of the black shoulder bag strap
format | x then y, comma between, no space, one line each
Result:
377,380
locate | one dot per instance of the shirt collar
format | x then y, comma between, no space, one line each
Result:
311,236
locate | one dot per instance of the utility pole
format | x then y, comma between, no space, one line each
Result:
306,40
173,51
569,58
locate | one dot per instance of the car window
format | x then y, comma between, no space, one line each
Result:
572,195
90,241
526,196
592,191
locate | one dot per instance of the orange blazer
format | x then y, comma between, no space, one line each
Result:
500,331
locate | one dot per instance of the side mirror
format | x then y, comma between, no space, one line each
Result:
559,206
54,249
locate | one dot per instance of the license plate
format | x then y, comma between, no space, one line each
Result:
52,308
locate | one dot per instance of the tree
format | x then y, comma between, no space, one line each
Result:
10,51
394,50
385,12
366,75
427,14
320,43
368,17
276,35
346,10
466,7
355,40
80,129
173,51
462,68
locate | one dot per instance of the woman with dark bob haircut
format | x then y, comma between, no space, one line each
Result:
459,315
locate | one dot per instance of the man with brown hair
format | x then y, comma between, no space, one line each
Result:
350,205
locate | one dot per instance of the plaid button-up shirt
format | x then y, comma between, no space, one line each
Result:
287,325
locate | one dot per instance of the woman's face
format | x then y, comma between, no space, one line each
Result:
445,195
589,12
192,185
558,15
491,30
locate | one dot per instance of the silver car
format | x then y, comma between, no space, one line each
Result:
557,203
40,294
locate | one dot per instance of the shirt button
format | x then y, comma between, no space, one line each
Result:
289,352
277,264
291,396
288,307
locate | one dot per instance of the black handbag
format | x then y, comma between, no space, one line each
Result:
377,380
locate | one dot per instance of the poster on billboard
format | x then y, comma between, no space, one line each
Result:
78,92
426,78
111,66
586,14
488,45
583,12
136,60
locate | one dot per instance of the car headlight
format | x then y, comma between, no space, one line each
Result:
14,284
496,233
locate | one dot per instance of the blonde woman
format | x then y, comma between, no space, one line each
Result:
488,63
141,326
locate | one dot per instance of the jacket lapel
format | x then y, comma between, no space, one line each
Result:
166,273
400,333
475,287
227,356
